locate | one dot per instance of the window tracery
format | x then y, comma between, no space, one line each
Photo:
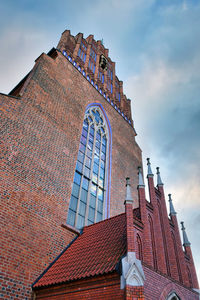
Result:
89,186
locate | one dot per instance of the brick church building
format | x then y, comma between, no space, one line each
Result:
75,222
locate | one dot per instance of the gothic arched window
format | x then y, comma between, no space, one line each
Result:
153,242
139,245
87,203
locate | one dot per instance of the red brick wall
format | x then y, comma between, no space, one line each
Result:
40,135
101,287
158,287
134,293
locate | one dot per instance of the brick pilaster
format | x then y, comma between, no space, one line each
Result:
181,258
169,248
192,267
129,227
134,292
160,255
147,248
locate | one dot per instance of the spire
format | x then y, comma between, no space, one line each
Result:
185,238
171,207
150,173
128,198
141,182
159,181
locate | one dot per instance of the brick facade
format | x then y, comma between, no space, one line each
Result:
40,124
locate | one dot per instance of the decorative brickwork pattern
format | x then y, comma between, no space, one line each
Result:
40,126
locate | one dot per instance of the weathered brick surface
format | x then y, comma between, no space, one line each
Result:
40,134
101,287
158,287
134,293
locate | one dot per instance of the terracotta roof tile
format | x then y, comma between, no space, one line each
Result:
96,251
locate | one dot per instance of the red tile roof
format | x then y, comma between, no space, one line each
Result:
96,251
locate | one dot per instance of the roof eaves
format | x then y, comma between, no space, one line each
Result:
51,264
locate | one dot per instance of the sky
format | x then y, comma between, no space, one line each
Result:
156,47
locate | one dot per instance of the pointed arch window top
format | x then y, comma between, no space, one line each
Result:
88,199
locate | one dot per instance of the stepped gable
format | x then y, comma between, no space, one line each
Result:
92,59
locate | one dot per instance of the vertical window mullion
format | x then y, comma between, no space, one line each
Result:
98,180
91,172
90,181
79,196
105,177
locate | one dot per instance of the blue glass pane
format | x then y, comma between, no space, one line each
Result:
80,222
91,214
98,136
83,140
80,156
86,172
90,119
101,182
96,159
91,138
100,206
99,216
92,130
73,203
85,183
92,201
103,165
71,217
75,190
95,168
94,178
85,124
79,166
82,148
104,141
102,172
84,195
90,145
88,162
77,178
89,153
90,223
97,116
82,208
98,144
100,194
97,151
93,189
103,157
84,132
102,78
103,149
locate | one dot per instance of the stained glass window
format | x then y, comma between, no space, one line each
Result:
88,192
